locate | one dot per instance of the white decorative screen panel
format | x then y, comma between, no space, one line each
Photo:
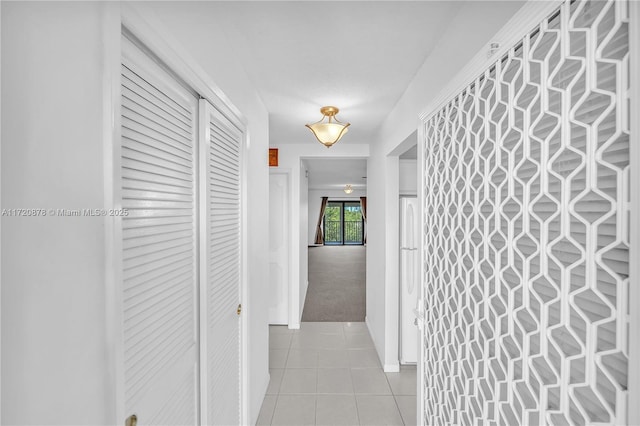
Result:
526,221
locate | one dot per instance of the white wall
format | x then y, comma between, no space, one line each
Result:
469,33
289,157
315,199
304,224
54,342
376,226
408,183
55,367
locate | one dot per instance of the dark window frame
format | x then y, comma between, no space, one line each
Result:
342,203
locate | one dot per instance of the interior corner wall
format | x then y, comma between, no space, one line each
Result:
392,268
408,177
304,225
376,247
54,342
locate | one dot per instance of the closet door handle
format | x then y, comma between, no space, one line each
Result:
132,420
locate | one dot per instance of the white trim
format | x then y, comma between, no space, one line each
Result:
204,134
530,15
420,417
633,403
113,225
263,392
244,282
369,327
392,263
0,222
392,368
293,319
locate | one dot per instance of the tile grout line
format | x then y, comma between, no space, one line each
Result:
346,350
286,359
395,400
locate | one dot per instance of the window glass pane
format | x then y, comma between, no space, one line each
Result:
352,223
333,223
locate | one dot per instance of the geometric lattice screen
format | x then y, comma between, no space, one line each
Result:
526,244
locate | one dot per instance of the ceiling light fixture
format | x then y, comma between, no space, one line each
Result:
330,131
348,189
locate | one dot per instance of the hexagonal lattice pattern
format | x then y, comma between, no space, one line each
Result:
526,231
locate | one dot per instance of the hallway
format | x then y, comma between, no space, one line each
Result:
329,373
337,287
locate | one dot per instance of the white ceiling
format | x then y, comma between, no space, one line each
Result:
359,56
325,173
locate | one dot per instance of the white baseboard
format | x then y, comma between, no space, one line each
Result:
392,368
263,392
366,321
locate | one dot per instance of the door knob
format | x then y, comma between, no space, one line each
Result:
132,420
239,311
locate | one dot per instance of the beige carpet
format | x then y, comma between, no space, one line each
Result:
336,284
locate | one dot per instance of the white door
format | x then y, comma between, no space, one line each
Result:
408,279
278,248
221,266
159,243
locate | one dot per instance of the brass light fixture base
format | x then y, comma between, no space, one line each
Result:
329,111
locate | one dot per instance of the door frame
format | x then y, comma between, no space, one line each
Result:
150,31
290,287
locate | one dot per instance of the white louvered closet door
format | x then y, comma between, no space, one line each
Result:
160,280
221,171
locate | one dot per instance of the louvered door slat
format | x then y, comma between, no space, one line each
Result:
155,166
147,283
138,180
222,174
166,235
135,101
164,153
141,133
164,102
158,167
163,195
224,165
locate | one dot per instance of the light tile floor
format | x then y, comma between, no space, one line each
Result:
329,374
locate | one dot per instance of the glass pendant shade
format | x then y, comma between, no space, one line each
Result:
328,131
348,189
